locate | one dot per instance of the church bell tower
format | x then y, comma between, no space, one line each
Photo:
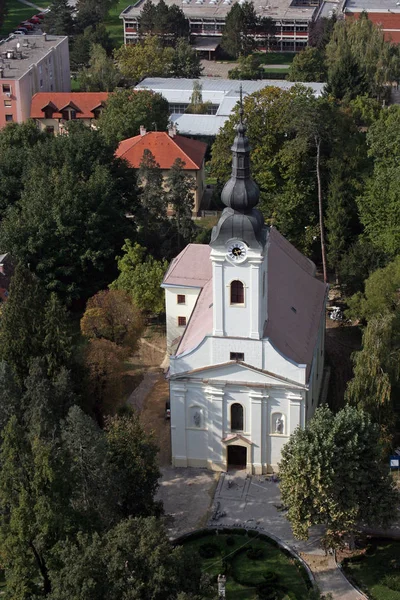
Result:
238,251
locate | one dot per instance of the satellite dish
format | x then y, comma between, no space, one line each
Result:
18,45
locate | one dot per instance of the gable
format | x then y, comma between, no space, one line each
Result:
237,373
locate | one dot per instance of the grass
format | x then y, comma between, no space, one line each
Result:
253,570
276,70
16,12
369,570
114,24
276,58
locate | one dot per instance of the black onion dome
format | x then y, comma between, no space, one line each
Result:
240,191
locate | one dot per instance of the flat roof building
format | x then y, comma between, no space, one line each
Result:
31,64
385,13
207,18
222,94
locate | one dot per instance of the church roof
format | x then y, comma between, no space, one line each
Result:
295,302
191,268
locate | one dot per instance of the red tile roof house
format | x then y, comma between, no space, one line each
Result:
52,110
166,148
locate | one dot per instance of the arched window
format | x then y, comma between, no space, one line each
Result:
237,292
236,417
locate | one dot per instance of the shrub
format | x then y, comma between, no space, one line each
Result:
230,541
271,578
208,550
255,553
392,581
266,592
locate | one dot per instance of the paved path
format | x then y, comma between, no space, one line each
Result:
255,502
35,6
139,394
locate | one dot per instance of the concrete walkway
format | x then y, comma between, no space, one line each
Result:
255,502
35,6
139,394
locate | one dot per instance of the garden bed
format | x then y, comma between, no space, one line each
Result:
376,571
249,560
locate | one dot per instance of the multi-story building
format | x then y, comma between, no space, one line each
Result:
30,64
385,13
207,19
53,110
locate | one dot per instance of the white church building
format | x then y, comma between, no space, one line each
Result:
246,331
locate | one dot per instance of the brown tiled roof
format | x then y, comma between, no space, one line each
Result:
83,102
165,149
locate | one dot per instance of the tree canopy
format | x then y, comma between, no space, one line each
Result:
308,65
101,74
61,224
125,111
240,25
326,480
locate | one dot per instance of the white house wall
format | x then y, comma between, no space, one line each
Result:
175,310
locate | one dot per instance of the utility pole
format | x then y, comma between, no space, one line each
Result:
221,586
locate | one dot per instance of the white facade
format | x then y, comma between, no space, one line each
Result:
234,363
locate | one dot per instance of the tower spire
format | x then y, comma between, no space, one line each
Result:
240,194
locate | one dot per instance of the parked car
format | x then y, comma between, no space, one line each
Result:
22,30
26,25
167,410
40,16
18,32
35,21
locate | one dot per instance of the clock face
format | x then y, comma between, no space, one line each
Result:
237,251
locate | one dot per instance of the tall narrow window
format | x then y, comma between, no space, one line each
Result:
237,292
181,321
236,417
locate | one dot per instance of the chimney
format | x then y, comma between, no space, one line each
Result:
1,73
2,268
44,35
172,130
142,130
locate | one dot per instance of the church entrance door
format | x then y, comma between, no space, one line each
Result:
237,457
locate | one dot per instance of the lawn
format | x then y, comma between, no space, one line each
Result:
16,12
369,571
243,568
276,58
114,24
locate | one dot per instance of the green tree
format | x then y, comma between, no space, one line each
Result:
249,68
3,11
197,106
376,372
360,60
57,344
185,60
21,324
91,12
59,20
61,226
133,461
150,180
16,142
308,65
379,205
126,111
82,44
365,110
180,196
135,555
238,34
147,17
357,264
101,75
141,276
33,497
148,58
320,31
326,480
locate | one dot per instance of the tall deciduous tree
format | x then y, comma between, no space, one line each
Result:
148,58
249,68
181,197
126,111
91,12
185,60
240,26
59,20
359,59
308,65
141,275
101,75
110,315
326,480
61,226
379,205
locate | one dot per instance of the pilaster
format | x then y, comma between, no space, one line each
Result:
216,426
